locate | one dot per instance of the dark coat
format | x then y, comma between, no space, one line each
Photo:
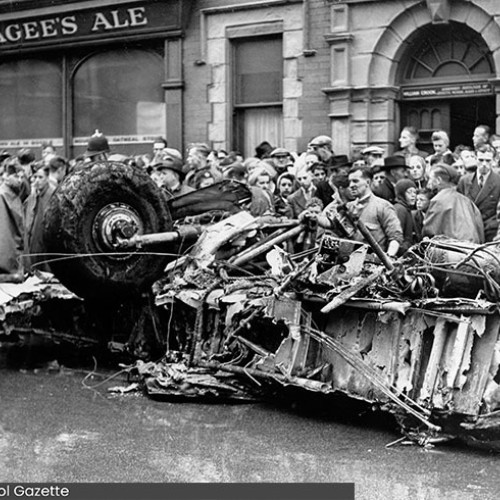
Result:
11,230
385,191
407,225
486,199
298,202
35,207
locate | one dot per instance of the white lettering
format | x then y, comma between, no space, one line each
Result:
2,38
48,28
68,25
101,21
116,20
13,33
31,30
137,16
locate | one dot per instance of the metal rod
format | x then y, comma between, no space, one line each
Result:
291,233
142,240
375,246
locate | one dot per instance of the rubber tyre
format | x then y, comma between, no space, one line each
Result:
68,227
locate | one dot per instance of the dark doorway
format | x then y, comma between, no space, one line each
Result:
466,114
458,117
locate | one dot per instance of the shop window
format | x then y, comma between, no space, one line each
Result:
30,100
120,93
258,92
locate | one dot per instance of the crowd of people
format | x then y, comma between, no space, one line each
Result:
400,198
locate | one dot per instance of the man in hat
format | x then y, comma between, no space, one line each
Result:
450,213
483,188
97,148
322,145
337,185
372,154
281,159
395,168
169,175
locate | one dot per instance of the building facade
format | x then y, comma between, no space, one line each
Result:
234,73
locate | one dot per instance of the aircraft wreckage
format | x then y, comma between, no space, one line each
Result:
418,337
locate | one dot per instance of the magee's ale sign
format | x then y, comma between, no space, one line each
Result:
72,26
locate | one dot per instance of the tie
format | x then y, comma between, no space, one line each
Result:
481,180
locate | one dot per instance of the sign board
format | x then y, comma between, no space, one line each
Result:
451,90
111,21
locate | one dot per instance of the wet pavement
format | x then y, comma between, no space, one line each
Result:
53,428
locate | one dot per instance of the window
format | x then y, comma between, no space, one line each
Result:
257,92
119,92
31,102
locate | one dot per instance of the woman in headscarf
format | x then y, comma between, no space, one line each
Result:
406,197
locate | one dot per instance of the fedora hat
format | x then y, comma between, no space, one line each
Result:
338,161
394,162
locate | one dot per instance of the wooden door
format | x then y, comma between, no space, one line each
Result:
426,117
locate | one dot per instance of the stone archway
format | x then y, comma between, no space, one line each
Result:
397,39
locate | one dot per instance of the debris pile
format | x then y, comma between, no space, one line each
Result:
335,319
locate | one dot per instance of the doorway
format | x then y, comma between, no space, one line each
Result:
458,117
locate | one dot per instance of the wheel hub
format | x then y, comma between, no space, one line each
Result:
115,222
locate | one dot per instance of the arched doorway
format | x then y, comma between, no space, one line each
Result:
444,80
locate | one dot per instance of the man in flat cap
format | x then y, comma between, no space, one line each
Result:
322,145
372,154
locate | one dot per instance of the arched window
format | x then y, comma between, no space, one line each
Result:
451,52
120,93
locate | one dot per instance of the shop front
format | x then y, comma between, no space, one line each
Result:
70,69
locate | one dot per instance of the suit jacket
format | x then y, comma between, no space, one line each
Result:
297,202
486,199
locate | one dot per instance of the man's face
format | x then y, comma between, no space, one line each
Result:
285,187
378,179
439,146
324,152
398,173
484,162
40,179
496,145
406,139
281,161
319,174
158,147
372,157
263,182
479,137
304,178
358,185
